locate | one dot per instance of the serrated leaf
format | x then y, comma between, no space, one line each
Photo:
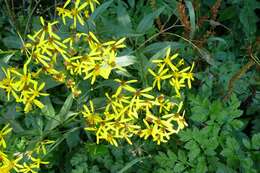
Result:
256,141
179,167
182,156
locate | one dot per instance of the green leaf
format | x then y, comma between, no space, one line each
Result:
126,60
96,150
182,156
207,56
201,165
256,141
123,17
12,42
147,22
155,47
66,106
248,19
63,115
130,164
227,13
192,17
72,138
100,9
7,56
159,55
246,143
131,3
179,167
48,109
200,111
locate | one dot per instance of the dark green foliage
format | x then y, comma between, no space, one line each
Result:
223,106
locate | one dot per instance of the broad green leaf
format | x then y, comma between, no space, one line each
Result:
48,109
66,107
63,115
12,42
155,47
123,17
72,138
126,60
147,22
227,13
100,9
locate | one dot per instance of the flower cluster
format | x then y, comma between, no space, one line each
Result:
61,58
23,86
175,75
27,162
70,59
132,111
99,61
78,12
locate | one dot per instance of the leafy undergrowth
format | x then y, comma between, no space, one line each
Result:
92,86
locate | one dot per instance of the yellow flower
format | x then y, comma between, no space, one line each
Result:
189,76
91,117
96,70
28,97
114,45
92,3
75,13
41,146
164,104
6,164
167,61
159,77
124,85
5,130
25,168
24,79
177,84
112,104
145,133
137,94
37,162
64,13
8,84
47,29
